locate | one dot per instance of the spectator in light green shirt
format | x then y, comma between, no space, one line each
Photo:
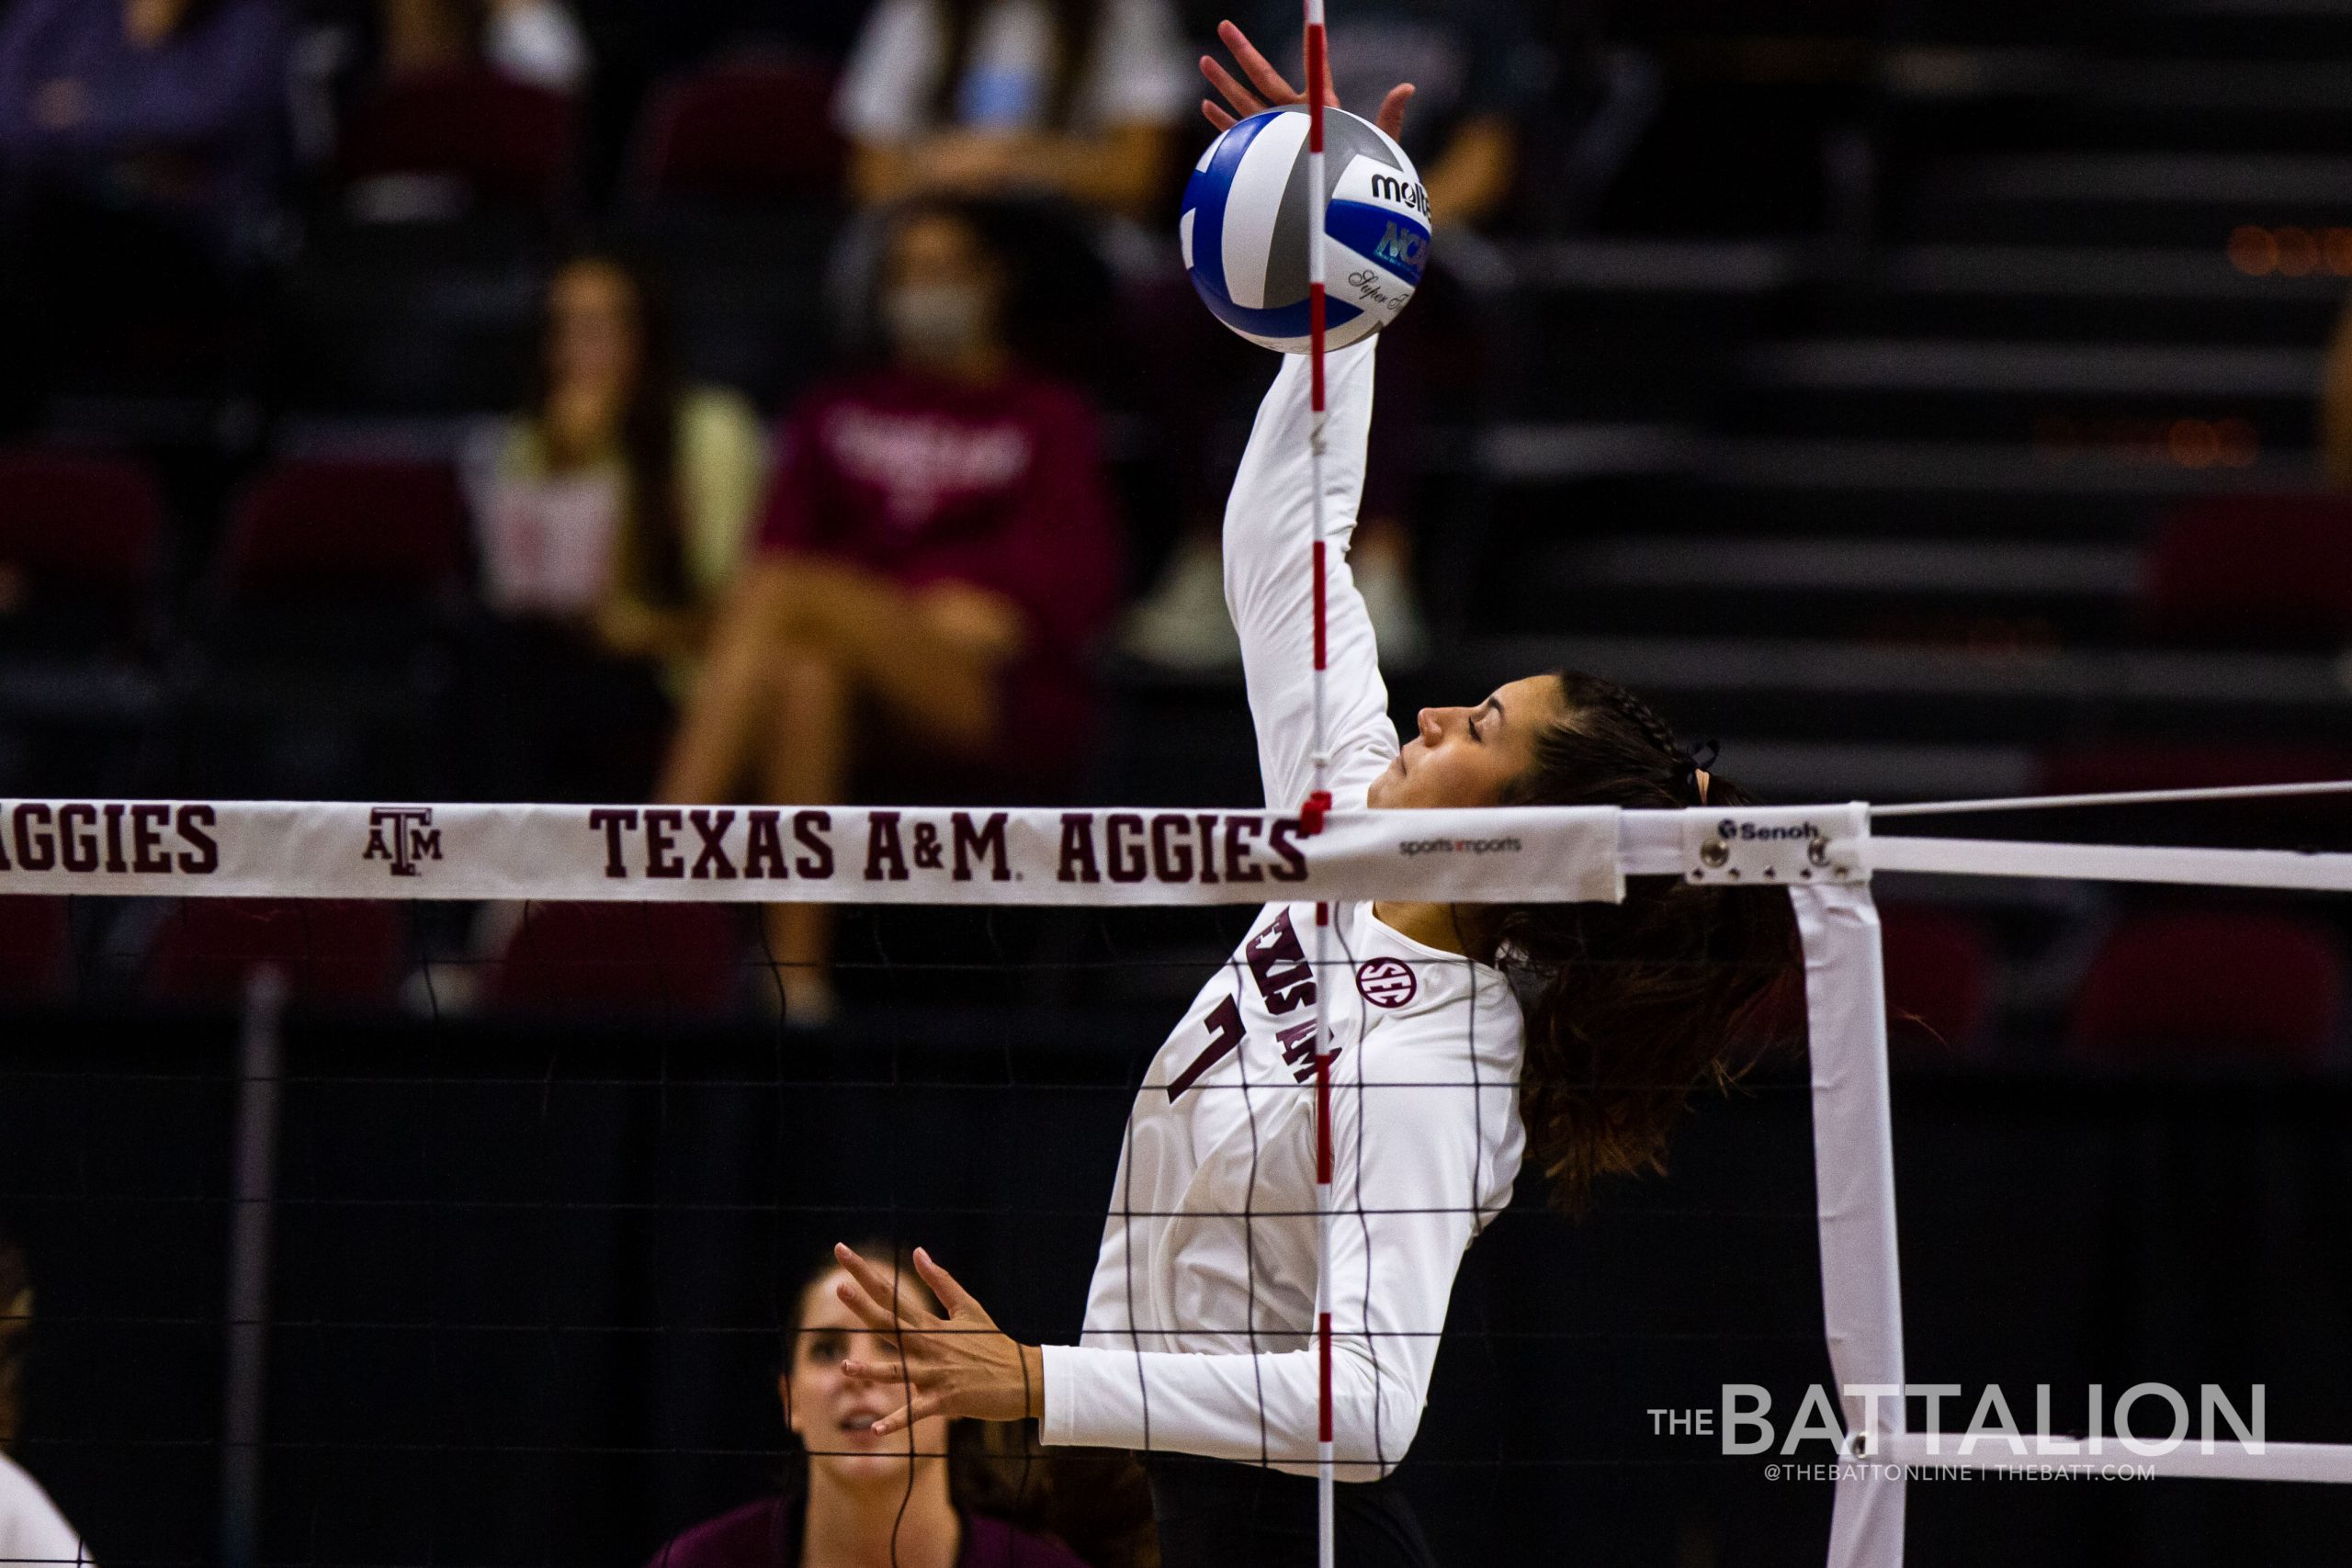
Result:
620,502
612,515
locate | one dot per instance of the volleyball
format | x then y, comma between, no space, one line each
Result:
1243,229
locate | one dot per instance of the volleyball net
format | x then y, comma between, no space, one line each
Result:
383,1224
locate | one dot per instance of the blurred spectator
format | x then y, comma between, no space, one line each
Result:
1077,98
938,557
1474,66
169,108
531,40
32,1529
612,514
854,1497
142,146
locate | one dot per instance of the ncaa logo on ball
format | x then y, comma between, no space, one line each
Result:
1245,226
1386,981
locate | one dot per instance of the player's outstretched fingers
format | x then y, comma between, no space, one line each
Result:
1260,70
1244,102
951,1295
874,1371
875,1296
1391,118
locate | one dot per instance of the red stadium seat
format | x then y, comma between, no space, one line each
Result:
750,130
2242,984
575,957
36,949
87,522
1938,979
348,952
504,140
359,529
2263,569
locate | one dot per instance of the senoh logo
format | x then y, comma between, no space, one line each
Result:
403,835
1386,981
1403,192
1759,832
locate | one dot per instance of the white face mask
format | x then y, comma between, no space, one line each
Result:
931,323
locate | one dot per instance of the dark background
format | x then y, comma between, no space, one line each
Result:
1862,410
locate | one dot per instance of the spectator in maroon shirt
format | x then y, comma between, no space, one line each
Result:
936,559
917,1499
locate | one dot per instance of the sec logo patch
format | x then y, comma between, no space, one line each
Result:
1386,981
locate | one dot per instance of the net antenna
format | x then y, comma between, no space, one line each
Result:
1319,800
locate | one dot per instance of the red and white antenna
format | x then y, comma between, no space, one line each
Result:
1317,195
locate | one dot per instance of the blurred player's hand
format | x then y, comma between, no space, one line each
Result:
956,1365
1267,89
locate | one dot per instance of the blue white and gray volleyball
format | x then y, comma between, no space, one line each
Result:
1244,229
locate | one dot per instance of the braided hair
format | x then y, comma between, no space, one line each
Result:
1629,1006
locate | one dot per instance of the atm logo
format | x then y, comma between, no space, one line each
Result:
402,835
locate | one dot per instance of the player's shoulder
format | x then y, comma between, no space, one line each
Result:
990,1542
741,1538
30,1522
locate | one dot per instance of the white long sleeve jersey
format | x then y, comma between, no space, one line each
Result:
1199,1333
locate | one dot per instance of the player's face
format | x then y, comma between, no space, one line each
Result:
1463,756
833,1416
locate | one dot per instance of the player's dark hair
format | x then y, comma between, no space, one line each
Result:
656,566
1075,25
1096,1501
1630,1006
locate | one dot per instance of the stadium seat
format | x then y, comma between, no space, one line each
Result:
79,538
749,131
2256,569
36,949
1938,979
334,528
635,957
347,952
2236,985
497,139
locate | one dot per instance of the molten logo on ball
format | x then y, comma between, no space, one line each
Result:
1386,981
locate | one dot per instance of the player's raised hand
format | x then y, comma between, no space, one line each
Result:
956,1365
1266,89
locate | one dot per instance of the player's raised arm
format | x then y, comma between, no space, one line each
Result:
1270,530
1269,587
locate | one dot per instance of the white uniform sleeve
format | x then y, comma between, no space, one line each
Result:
890,69
1411,1164
1268,587
32,1529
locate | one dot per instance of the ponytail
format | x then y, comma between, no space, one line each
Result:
1631,1006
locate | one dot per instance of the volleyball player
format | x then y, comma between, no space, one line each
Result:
1461,1037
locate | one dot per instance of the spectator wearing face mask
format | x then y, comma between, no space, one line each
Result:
936,558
